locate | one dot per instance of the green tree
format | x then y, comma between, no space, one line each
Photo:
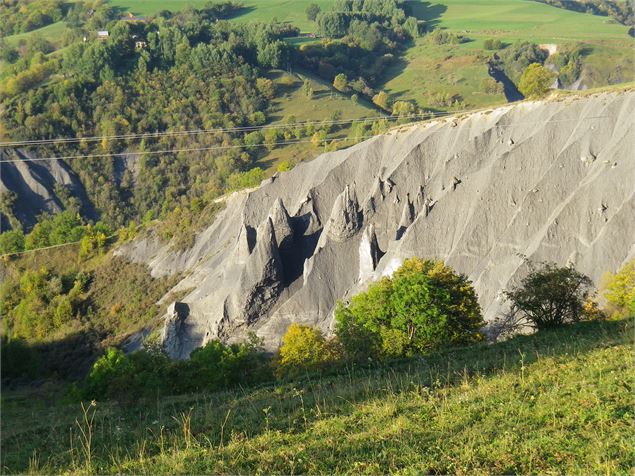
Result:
340,82
535,81
312,11
424,306
307,88
382,99
332,24
11,241
619,289
492,44
403,108
551,296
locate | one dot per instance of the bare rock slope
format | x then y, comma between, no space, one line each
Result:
35,183
550,180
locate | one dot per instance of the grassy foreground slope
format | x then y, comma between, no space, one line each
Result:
555,402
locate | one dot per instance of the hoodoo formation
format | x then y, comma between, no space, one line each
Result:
487,192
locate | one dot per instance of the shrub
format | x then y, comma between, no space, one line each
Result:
240,180
403,108
145,373
284,166
442,37
217,366
423,307
491,86
535,81
123,377
493,44
341,82
619,290
382,99
11,241
551,296
304,348
18,359
312,11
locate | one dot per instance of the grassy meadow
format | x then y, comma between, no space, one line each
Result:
555,402
459,69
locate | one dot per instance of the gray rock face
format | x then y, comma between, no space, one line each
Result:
459,193
346,218
34,183
259,285
173,333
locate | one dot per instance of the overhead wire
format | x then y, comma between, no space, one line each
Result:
256,145
66,140
137,154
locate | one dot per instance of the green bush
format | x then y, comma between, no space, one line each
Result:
551,296
149,372
493,44
305,348
442,37
19,361
11,241
240,180
619,290
424,306
120,376
535,81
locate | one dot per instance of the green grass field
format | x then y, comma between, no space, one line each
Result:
559,401
50,32
324,103
459,69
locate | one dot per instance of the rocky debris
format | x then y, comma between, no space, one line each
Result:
588,159
35,183
535,202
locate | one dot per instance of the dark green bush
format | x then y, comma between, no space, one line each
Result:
551,296
19,361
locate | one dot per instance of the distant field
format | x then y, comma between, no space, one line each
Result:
426,70
255,10
517,19
51,32
459,69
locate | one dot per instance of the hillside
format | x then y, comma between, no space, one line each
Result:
555,402
487,192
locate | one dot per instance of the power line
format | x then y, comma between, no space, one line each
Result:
17,253
295,142
65,140
137,154
173,151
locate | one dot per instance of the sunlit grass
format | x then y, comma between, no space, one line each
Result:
557,402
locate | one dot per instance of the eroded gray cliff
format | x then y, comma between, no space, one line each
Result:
545,181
